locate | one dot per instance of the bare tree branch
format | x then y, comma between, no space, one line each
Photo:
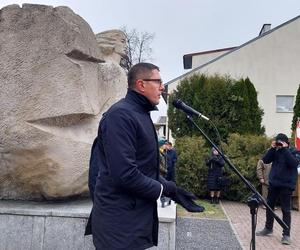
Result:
138,47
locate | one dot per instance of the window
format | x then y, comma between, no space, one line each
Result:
284,103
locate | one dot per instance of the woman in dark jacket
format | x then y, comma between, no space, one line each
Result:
215,164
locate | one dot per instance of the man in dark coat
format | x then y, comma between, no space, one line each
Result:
124,214
282,182
171,161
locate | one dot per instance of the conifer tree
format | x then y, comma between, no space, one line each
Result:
296,110
231,105
247,115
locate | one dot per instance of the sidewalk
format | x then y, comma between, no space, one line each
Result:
206,234
240,218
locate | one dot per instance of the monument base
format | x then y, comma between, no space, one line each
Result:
60,226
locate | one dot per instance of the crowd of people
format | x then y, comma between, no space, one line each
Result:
131,168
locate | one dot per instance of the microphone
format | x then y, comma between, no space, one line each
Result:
177,103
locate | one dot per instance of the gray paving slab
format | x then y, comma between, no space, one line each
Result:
196,234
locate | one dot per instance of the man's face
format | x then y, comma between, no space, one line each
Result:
153,87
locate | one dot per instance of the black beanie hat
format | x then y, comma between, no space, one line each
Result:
282,137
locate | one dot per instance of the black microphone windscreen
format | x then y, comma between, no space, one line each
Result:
177,103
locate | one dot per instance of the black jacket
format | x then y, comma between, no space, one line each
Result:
215,164
127,187
284,167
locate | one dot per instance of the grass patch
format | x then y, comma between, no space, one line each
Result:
212,211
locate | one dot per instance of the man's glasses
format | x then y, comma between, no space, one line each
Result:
158,81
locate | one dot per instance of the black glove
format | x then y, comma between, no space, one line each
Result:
169,188
186,199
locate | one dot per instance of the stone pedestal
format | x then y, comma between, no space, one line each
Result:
60,226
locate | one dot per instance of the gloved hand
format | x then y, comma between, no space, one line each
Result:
186,199
169,188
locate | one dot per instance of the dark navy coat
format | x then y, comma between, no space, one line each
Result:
171,161
284,167
215,164
127,187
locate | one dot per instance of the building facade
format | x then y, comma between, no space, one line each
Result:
271,61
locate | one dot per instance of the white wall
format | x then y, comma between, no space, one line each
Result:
273,66
204,58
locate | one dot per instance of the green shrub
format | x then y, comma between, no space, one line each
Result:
191,171
243,151
231,104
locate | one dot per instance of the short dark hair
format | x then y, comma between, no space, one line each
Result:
139,70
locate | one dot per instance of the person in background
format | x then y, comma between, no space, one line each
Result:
163,168
171,161
126,159
162,156
262,172
282,182
215,165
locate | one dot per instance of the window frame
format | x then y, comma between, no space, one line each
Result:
282,111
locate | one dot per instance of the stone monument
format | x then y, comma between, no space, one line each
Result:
56,80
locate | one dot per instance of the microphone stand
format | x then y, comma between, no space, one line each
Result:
255,199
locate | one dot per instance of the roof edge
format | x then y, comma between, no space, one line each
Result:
233,50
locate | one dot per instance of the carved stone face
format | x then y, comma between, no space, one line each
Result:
112,45
52,94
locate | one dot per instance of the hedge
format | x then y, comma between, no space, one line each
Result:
242,150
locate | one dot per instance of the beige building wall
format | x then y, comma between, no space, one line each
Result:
201,59
273,66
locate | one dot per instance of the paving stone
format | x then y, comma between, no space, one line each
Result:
195,234
240,218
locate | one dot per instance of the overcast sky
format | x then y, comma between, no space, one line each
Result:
182,26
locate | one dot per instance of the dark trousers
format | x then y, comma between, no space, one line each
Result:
284,194
170,174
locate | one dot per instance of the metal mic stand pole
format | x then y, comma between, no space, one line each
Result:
253,204
254,200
